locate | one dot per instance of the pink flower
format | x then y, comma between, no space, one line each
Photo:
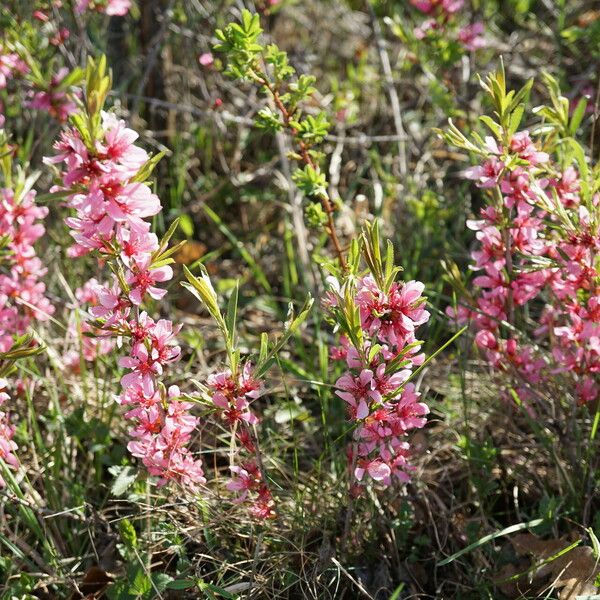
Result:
136,243
54,100
206,59
372,387
470,36
110,219
245,479
128,203
142,279
22,292
144,370
109,7
444,6
232,397
377,469
118,7
118,146
522,145
357,392
485,175
394,315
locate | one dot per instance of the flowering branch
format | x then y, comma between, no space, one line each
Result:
105,182
538,239
378,317
233,390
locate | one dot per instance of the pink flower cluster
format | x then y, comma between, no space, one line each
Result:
108,7
522,257
54,100
379,401
22,292
441,21
232,397
7,431
111,208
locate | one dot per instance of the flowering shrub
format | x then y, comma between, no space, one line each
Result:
104,181
231,392
7,432
537,242
379,317
31,64
22,292
280,182
232,398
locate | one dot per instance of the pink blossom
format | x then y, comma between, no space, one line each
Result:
109,7
431,6
54,100
142,280
206,59
470,36
233,397
522,145
569,325
377,469
485,175
22,293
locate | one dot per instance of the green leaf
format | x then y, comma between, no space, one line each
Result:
147,168
515,119
187,225
492,125
128,534
578,115
125,476
139,582
521,95
231,315
292,326
209,588
181,584
202,288
75,77
311,182
269,120
161,582
264,347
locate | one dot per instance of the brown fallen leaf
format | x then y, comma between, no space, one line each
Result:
190,252
93,583
573,573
